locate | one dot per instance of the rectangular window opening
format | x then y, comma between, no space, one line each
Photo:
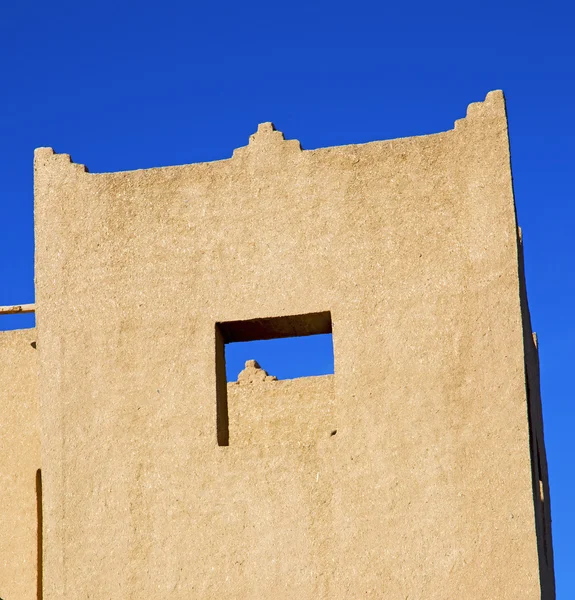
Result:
270,348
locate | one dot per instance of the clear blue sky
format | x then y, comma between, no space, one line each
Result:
124,85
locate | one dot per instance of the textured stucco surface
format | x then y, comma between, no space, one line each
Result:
426,489
265,412
19,462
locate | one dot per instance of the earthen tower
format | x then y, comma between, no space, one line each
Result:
130,469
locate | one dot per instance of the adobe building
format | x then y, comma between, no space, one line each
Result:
130,469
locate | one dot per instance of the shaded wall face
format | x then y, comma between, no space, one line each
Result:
425,491
19,464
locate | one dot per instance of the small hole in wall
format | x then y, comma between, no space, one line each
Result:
333,432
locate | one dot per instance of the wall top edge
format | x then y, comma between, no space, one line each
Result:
267,138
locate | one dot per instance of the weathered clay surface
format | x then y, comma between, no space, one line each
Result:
409,473
253,373
19,462
276,413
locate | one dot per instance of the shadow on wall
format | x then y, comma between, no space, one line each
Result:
39,541
539,471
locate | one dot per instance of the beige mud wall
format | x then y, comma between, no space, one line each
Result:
291,412
425,491
19,462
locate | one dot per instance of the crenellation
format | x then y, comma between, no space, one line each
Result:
492,107
253,373
46,156
268,140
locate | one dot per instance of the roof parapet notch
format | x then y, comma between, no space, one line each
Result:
268,139
492,106
45,154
